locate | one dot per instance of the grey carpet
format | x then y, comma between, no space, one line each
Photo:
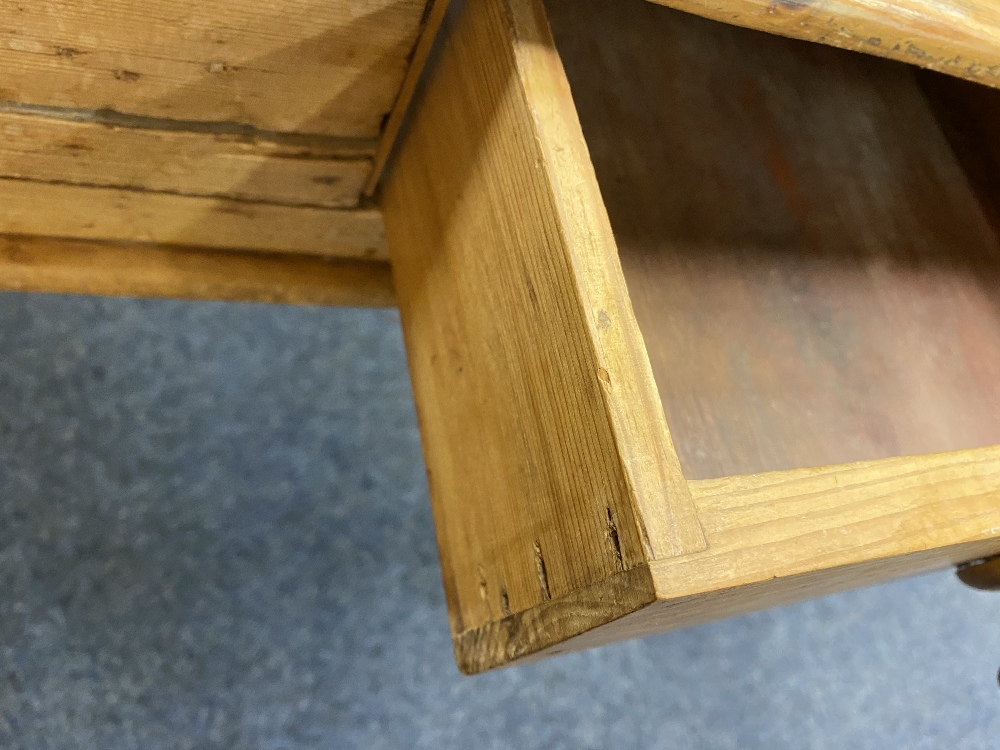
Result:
214,533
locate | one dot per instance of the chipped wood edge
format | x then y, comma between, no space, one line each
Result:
50,265
542,630
425,43
960,40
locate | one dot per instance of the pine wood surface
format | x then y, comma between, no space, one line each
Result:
781,537
126,215
548,458
43,264
331,67
958,38
46,149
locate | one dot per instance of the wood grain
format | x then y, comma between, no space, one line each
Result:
549,462
781,537
839,527
436,11
86,153
42,264
316,66
961,39
815,280
542,630
113,214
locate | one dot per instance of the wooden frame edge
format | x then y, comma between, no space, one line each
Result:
425,43
961,44
54,265
544,629
881,519
895,541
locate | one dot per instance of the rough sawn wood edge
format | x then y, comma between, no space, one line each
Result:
960,39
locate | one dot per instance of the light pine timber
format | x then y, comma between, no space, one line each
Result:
46,149
551,471
968,115
124,215
781,537
45,264
815,279
773,537
314,66
958,38
436,10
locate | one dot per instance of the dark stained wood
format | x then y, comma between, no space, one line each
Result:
814,278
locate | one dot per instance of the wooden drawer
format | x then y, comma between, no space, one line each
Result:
652,272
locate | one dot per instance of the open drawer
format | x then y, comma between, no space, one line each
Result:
652,273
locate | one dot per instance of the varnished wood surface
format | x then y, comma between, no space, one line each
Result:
73,211
549,464
40,264
332,67
814,278
958,38
47,149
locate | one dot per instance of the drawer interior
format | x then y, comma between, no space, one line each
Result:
805,233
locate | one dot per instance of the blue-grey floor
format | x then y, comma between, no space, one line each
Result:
214,533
